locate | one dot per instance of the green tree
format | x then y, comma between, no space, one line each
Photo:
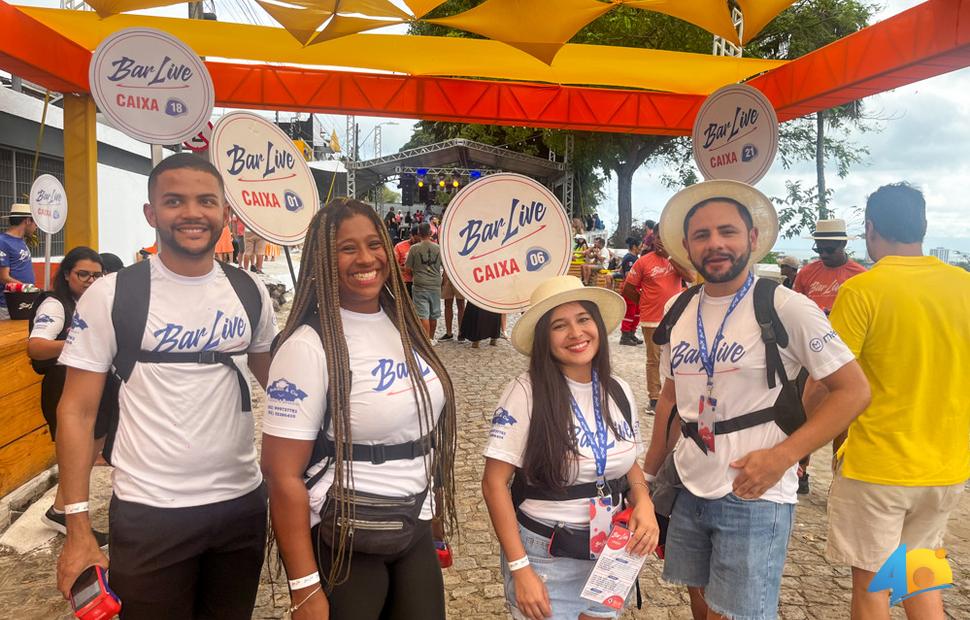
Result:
806,26
824,136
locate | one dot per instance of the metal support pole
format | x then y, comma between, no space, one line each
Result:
568,199
351,148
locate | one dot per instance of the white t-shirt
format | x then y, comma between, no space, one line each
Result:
510,433
740,382
383,409
49,320
183,439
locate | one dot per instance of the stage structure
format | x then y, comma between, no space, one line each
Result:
465,159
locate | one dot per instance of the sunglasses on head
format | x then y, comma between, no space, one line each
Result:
825,249
84,274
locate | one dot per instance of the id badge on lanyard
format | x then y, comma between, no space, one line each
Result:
600,507
708,406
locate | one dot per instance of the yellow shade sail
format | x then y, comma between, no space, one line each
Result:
420,8
589,65
301,23
537,27
105,8
711,15
343,25
758,13
371,8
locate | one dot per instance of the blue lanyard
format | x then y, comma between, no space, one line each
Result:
599,441
707,357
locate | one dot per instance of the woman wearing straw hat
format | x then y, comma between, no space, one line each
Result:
563,434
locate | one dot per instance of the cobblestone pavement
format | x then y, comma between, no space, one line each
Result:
812,588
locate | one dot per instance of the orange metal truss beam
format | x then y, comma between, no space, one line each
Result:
38,53
450,99
930,39
927,40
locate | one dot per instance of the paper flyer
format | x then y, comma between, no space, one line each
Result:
615,572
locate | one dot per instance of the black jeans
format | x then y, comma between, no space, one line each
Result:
201,562
406,586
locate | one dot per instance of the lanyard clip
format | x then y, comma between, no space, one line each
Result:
602,488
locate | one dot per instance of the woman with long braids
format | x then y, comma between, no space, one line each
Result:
567,436
352,509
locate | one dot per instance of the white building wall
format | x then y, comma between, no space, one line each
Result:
122,228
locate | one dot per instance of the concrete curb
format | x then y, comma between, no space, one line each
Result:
15,503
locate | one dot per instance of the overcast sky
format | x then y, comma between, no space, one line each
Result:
922,140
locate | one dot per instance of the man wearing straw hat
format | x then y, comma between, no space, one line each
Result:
820,280
15,262
729,527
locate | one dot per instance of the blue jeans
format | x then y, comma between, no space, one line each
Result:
733,548
564,579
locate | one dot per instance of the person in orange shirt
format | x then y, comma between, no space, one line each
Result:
652,281
820,280
401,254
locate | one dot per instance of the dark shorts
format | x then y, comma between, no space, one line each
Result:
196,562
405,586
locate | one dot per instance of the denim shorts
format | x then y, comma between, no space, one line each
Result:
564,579
733,548
427,303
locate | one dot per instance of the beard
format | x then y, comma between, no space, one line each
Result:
168,239
738,266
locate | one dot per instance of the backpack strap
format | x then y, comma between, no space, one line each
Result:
661,335
522,491
615,390
773,333
248,293
129,315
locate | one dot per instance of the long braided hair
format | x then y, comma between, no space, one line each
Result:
317,300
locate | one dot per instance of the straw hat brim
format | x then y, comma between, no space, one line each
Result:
845,237
762,211
611,307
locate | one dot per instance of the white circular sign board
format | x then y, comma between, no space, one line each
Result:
735,135
268,183
48,203
501,236
151,86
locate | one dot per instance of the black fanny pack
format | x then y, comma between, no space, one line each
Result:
379,525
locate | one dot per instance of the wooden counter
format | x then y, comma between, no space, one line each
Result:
26,448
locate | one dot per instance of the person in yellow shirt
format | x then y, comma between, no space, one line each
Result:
903,467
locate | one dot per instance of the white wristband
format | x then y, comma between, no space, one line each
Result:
73,509
303,582
517,564
650,477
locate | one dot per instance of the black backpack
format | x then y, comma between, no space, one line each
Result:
787,412
129,315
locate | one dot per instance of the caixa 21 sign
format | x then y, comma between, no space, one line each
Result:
268,183
735,135
501,236
151,86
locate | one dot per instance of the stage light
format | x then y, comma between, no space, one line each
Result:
475,175
441,183
455,183
420,182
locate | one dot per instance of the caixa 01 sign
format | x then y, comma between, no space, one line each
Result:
502,236
268,183
735,135
151,86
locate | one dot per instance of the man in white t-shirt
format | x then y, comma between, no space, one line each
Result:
187,519
729,530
